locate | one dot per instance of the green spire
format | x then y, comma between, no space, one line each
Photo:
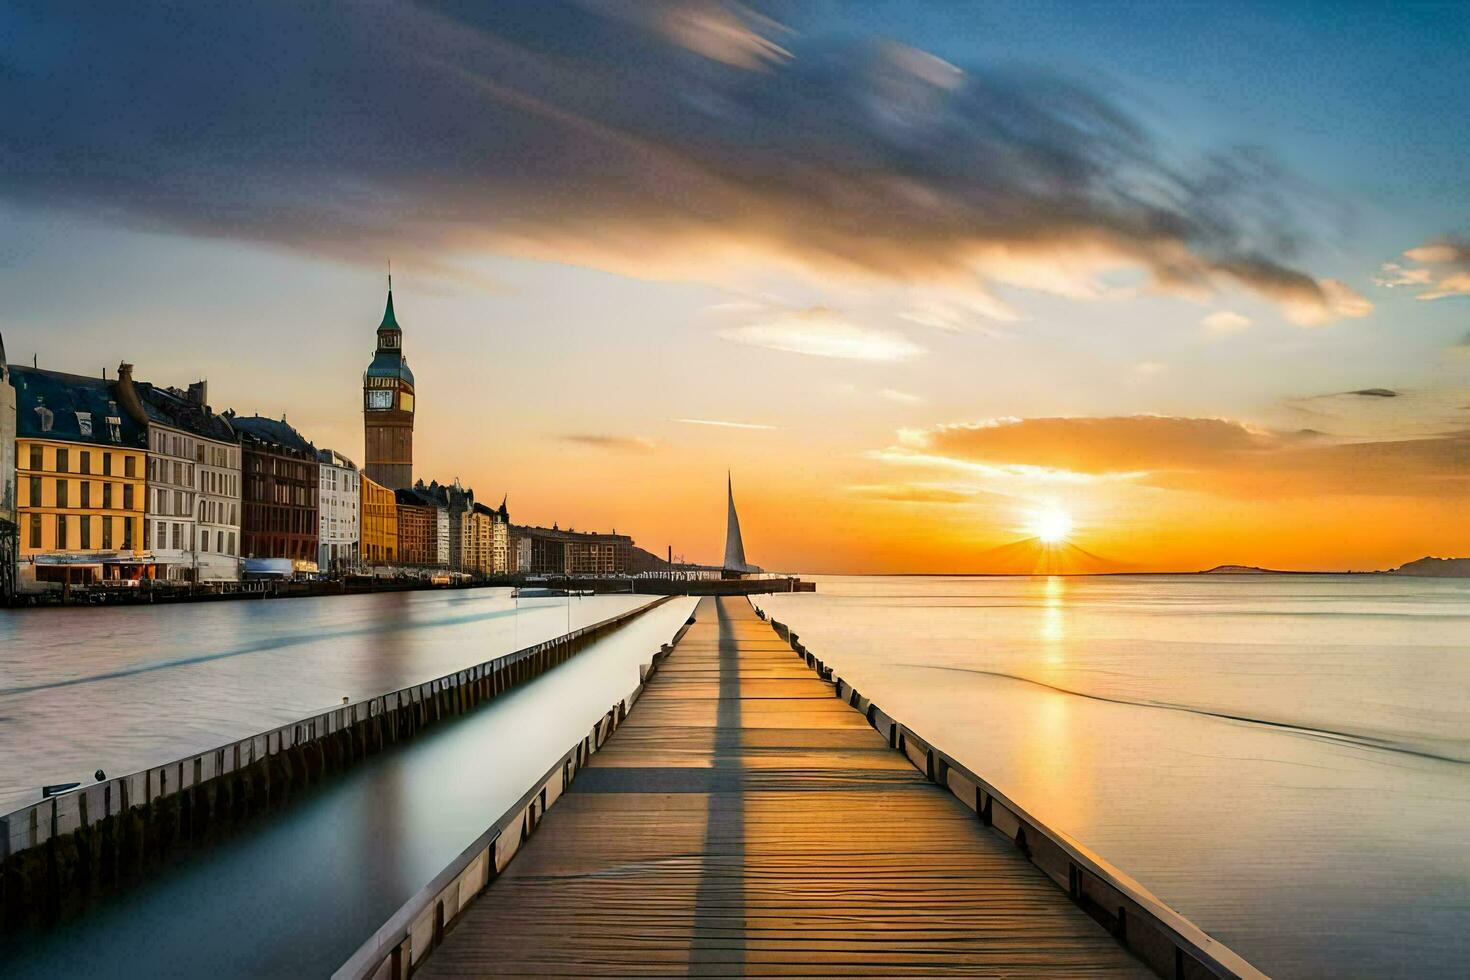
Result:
390,322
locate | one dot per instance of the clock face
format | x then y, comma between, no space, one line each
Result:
379,398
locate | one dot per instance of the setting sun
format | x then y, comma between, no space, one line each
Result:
1052,526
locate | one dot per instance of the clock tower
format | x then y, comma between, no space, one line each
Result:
387,407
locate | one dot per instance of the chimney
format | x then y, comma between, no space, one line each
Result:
199,394
127,395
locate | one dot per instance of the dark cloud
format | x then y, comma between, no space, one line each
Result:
1375,392
612,132
616,444
1212,455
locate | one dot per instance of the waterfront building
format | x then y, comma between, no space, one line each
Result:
80,475
192,520
280,515
418,529
379,512
520,553
481,533
458,504
500,541
339,504
9,526
552,551
388,407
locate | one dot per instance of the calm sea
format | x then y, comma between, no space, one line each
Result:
124,688
1283,759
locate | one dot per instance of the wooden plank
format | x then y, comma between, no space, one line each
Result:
744,821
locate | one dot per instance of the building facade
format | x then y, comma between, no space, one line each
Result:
339,504
80,473
9,526
418,530
192,521
388,408
379,523
552,551
280,516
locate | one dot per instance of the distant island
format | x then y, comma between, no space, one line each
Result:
1241,570
1435,568
1430,567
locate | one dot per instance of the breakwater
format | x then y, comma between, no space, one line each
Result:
1170,944
56,852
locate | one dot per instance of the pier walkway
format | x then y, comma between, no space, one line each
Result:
743,821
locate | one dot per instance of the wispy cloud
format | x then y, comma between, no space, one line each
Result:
820,332
725,424
1225,321
616,444
902,397
1442,269
682,137
1217,456
917,493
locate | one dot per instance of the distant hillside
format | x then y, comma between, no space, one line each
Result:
1436,567
1239,570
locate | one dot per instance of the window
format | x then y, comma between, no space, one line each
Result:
162,535
86,460
86,493
62,462
61,494
232,543
35,531
35,488
107,464
127,534
84,423
86,523
178,537
107,496
130,466
36,463
61,531
127,496
106,533
204,540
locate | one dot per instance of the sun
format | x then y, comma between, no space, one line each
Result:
1052,526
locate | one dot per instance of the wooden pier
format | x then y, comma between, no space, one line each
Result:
743,821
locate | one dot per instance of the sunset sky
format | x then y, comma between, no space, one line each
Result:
1197,276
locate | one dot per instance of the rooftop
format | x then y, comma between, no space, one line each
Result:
256,428
72,408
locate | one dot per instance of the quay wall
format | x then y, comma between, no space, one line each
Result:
419,925
1170,944
55,851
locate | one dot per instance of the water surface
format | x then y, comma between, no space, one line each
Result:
124,688
299,890
1283,759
